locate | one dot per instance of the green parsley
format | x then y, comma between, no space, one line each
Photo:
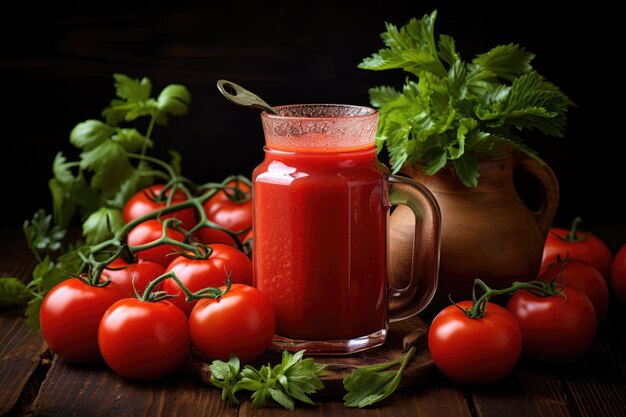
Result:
111,167
455,111
294,378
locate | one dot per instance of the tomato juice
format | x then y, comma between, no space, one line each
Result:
320,236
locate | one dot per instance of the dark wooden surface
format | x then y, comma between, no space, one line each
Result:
34,383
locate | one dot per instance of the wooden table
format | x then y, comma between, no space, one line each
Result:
34,382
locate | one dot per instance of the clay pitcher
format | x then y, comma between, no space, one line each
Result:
487,231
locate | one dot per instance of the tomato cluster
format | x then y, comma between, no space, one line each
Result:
141,317
553,319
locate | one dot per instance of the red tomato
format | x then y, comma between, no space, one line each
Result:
148,232
585,278
590,249
241,323
228,211
133,276
69,317
475,351
618,275
197,274
554,328
143,203
142,340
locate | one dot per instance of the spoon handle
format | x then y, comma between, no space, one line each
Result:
240,96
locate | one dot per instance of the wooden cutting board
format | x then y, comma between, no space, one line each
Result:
402,336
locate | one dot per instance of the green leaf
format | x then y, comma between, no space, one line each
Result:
174,100
447,50
90,134
533,104
41,235
411,48
12,292
131,140
116,112
225,375
62,169
141,108
132,89
281,398
457,80
506,61
139,179
371,384
71,262
135,103
102,224
437,159
292,379
84,196
110,165
383,95
466,168
32,314
46,275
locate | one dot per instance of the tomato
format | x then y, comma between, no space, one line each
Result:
585,278
133,276
618,275
143,340
143,202
475,351
227,210
585,247
149,231
69,317
197,274
241,323
554,328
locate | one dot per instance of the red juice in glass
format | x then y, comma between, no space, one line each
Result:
321,204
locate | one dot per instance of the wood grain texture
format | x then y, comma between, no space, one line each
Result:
20,350
597,386
15,258
528,392
430,401
20,354
96,391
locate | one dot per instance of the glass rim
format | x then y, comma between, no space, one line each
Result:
370,112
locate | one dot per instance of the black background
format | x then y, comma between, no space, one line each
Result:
57,62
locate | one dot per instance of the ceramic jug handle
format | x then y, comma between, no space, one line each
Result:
549,192
407,302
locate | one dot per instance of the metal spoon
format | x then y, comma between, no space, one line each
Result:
240,96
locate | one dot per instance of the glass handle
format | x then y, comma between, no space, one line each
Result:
407,302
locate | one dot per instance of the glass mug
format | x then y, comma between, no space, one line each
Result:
321,207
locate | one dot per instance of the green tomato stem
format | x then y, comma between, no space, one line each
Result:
209,292
144,148
573,232
479,306
199,251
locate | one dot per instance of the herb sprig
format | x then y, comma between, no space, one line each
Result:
456,111
94,187
294,378
104,177
371,384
